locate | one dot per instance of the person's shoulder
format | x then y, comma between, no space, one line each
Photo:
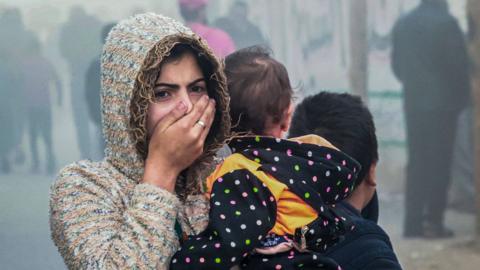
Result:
220,33
369,233
448,21
233,162
368,246
83,168
222,22
86,176
407,20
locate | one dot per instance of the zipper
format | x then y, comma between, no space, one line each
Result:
303,240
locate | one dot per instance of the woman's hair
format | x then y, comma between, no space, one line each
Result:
259,89
168,51
181,50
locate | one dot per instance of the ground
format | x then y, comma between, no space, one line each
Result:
456,253
25,237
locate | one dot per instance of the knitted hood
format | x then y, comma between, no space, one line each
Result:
134,46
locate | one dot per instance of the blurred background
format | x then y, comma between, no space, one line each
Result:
49,105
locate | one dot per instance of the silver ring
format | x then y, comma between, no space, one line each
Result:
201,123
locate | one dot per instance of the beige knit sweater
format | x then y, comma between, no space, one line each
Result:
100,216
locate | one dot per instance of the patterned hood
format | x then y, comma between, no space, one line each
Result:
126,50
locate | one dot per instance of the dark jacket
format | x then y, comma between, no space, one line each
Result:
430,58
367,247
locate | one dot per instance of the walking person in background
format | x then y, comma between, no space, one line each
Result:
429,57
7,110
236,23
79,44
92,94
13,46
39,75
194,12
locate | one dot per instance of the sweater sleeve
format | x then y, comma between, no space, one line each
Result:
195,212
94,230
242,212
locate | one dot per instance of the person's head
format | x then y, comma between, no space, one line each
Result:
77,12
11,18
239,11
193,10
150,64
260,92
183,78
346,122
440,3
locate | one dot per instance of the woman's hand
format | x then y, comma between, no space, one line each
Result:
177,141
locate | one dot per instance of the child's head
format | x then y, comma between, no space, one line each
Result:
260,92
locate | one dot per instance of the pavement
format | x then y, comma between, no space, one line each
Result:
25,241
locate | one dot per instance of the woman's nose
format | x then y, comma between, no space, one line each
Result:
185,97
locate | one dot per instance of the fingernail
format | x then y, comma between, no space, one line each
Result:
213,101
205,97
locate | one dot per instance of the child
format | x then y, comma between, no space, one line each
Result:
271,200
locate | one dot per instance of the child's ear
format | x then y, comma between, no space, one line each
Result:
371,178
285,126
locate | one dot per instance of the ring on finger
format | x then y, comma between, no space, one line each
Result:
201,123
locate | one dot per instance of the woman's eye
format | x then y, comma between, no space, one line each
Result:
161,94
198,88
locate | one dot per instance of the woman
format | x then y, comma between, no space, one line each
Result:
161,132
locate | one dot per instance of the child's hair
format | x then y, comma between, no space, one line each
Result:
259,88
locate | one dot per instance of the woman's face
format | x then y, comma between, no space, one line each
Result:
180,81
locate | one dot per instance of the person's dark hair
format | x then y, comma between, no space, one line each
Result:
240,4
343,120
441,3
259,88
203,62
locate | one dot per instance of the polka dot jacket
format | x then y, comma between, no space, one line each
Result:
272,206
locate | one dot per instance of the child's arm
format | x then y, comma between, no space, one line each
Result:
242,212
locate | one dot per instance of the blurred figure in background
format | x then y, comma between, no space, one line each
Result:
243,32
462,192
430,59
15,36
92,91
194,12
38,75
79,43
7,139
